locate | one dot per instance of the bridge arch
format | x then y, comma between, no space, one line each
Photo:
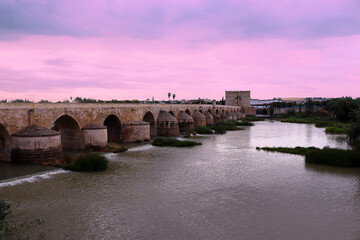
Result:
5,144
201,110
172,113
113,124
209,111
217,112
188,112
70,132
149,117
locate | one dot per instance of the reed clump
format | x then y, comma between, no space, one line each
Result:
89,162
173,142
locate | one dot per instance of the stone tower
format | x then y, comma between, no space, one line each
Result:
240,98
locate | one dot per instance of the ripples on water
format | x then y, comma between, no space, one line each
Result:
224,189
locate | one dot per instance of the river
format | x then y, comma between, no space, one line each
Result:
223,189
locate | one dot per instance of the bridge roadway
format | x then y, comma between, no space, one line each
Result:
71,120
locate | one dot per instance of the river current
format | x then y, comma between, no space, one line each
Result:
223,189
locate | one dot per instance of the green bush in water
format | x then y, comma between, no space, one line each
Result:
334,157
245,123
295,150
186,144
172,142
336,130
203,130
88,163
219,129
222,127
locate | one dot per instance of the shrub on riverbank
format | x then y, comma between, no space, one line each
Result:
88,163
16,230
336,130
253,118
296,150
320,122
222,127
334,157
172,142
203,130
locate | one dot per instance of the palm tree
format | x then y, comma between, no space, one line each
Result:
174,96
169,95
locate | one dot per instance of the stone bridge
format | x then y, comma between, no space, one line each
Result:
41,130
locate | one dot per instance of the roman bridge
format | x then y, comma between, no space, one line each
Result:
36,130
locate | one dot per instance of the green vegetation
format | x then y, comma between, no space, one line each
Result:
253,118
222,127
336,130
354,130
325,156
88,163
15,231
245,123
298,120
296,150
334,157
203,130
172,142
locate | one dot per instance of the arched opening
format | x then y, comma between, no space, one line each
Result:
172,113
5,144
188,112
113,125
71,135
209,111
217,112
200,110
222,111
149,117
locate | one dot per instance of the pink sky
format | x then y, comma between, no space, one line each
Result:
110,49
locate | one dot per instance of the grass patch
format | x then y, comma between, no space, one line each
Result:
253,118
297,120
172,142
320,122
336,130
222,127
334,157
203,130
296,150
88,163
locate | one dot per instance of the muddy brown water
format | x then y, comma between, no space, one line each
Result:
224,189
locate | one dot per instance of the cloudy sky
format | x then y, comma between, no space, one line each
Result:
138,49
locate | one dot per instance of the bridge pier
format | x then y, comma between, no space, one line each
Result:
199,119
239,115
167,125
186,122
95,135
136,131
37,145
209,119
217,118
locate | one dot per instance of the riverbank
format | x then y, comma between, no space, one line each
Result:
331,125
326,156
